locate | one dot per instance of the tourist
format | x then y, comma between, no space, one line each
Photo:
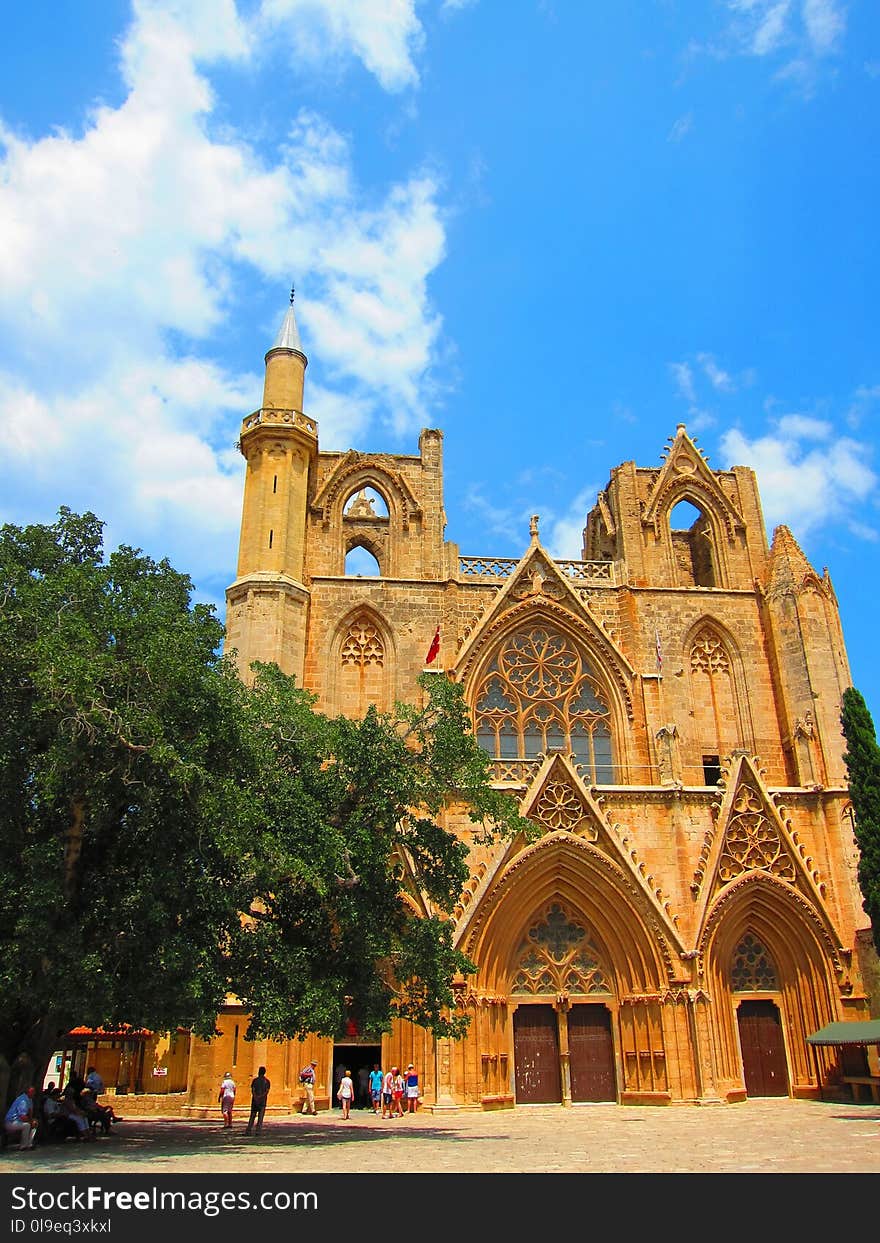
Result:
100,1115
227,1098
20,1119
259,1093
94,1081
58,1124
95,1085
387,1093
398,1087
411,1080
376,1078
307,1079
345,1094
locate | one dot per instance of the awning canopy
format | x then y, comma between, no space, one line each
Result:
866,1032
101,1033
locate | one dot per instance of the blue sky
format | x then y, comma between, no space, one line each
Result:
552,229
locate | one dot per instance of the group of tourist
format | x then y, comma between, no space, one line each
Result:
56,1114
260,1086
392,1093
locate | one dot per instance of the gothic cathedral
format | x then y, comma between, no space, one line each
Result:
666,709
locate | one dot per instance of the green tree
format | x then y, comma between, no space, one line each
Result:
862,758
169,835
117,770
351,820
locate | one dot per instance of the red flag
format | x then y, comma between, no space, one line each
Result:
434,648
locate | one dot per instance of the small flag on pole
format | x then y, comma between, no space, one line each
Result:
659,652
434,648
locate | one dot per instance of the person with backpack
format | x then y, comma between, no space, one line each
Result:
307,1081
259,1093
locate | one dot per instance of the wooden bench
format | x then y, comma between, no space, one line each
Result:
871,1084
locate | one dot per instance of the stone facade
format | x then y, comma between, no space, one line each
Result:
666,709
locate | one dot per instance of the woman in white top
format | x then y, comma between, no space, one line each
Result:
346,1094
227,1098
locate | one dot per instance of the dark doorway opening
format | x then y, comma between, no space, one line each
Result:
765,1069
358,1060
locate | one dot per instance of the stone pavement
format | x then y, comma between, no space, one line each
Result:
756,1136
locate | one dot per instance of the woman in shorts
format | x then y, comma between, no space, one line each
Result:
411,1079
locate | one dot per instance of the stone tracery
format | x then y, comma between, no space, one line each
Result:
753,970
539,694
559,955
752,841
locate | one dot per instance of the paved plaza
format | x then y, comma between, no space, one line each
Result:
755,1137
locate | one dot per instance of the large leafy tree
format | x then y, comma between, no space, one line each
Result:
117,774
169,834
356,872
862,758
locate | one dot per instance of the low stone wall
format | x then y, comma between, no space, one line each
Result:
145,1104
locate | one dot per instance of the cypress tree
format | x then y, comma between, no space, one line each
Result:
862,758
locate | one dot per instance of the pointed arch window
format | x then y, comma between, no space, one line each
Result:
753,970
692,545
540,694
559,955
362,660
365,504
361,563
714,700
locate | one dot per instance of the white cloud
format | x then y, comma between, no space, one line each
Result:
717,376
803,427
824,22
684,379
564,537
804,31
806,478
681,128
385,34
505,521
121,247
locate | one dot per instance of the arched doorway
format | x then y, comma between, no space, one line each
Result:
559,959
765,1069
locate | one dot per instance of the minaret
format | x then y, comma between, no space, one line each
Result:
268,604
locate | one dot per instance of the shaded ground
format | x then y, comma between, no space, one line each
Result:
758,1136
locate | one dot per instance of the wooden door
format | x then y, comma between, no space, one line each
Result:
765,1071
536,1056
592,1054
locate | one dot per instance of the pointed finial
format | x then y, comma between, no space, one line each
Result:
533,526
292,292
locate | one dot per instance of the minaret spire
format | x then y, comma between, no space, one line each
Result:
285,366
